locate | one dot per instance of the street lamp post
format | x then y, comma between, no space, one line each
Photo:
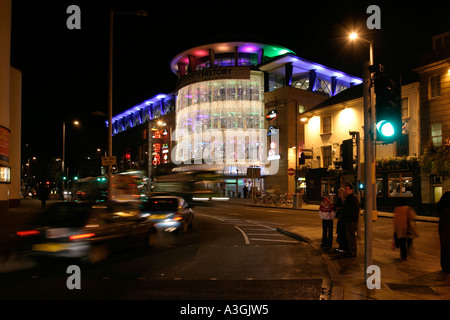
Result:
369,155
141,13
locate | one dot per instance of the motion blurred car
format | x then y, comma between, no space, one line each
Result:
169,213
88,231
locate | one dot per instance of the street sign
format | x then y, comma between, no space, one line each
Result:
253,172
109,161
291,171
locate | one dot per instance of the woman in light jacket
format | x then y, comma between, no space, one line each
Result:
404,228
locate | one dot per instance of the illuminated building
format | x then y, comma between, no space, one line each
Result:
249,86
236,105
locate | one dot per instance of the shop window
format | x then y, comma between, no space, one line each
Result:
401,185
328,188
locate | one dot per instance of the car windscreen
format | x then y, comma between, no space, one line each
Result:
67,216
160,204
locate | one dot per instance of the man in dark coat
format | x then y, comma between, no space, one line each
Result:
350,219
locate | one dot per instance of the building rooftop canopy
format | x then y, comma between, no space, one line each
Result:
268,51
270,58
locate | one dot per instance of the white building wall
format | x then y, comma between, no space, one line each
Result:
348,116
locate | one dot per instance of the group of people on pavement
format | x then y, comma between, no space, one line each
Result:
346,209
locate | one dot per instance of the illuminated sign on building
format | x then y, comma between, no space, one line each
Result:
214,74
272,114
160,147
5,174
272,130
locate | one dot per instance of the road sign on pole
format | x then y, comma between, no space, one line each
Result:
109,161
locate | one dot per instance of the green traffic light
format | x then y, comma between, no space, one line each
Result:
385,128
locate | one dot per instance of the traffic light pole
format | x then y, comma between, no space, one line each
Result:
368,164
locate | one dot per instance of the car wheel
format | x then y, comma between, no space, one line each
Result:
97,254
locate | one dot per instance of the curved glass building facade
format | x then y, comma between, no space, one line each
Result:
229,110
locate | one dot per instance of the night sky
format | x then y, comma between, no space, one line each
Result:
65,72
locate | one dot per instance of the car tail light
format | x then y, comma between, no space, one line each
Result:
177,218
27,233
81,236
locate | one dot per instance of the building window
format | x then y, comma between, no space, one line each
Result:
435,86
301,108
327,156
400,185
405,108
436,134
326,124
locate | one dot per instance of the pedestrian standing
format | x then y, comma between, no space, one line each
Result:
245,190
43,194
340,230
350,220
326,213
443,208
404,228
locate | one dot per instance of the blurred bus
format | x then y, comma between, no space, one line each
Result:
124,188
199,186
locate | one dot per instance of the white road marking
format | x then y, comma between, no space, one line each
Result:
244,234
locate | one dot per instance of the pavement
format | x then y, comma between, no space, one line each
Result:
417,278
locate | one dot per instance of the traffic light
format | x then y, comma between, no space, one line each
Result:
347,155
388,108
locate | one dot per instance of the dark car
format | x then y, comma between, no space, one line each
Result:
89,231
169,213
